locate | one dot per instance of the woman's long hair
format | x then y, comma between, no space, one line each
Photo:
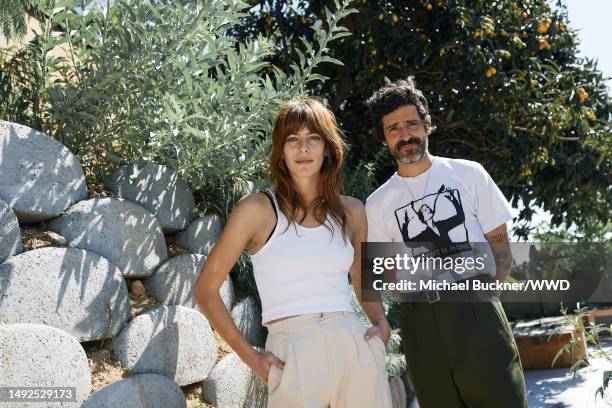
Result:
291,118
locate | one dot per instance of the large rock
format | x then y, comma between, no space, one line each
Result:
120,230
201,235
173,282
232,384
247,317
35,355
174,341
139,391
40,177
68,288
10,234
158,189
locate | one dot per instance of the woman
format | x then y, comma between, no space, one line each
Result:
303,238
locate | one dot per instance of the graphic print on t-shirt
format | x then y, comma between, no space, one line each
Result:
437,219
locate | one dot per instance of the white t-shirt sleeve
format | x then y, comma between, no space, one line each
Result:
376,227
492,208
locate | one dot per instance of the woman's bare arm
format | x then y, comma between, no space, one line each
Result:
359,233
240,232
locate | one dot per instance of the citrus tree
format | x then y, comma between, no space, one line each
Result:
505,86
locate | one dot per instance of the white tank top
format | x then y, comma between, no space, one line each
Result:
303,270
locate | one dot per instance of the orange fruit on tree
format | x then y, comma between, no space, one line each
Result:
542,26
543,44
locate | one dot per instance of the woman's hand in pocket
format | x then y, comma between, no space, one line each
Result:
381,329
262,363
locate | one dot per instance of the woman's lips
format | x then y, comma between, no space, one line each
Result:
304,161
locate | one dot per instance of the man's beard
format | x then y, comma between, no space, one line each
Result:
409,158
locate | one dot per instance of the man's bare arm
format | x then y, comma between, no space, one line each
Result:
500,245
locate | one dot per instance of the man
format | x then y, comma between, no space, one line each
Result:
459,353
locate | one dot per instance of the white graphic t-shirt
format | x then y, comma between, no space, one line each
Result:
451,205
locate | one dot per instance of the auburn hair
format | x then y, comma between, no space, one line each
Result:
290,119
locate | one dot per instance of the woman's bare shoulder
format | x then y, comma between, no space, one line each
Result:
355,211
352,204
254,204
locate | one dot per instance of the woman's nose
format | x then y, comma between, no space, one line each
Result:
303,146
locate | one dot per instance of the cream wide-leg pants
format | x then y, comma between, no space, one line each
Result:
328,363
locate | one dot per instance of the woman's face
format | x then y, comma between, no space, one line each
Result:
304,153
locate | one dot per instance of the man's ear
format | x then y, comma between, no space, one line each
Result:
431,126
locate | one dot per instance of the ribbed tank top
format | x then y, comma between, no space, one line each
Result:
303,270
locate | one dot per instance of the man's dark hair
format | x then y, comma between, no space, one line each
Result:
395,95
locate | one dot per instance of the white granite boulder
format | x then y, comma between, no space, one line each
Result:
201,235
122,231
35,355
247,317
173,282
10,234
139,391
158,189
174,341
72,289
232,384
40,177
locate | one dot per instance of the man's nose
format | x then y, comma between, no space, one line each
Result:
406,133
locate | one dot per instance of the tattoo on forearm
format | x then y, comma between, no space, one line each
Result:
503,259
501,251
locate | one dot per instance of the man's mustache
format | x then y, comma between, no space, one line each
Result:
402,143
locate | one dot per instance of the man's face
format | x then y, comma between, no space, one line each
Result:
405,134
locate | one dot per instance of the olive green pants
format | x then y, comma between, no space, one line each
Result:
462,354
